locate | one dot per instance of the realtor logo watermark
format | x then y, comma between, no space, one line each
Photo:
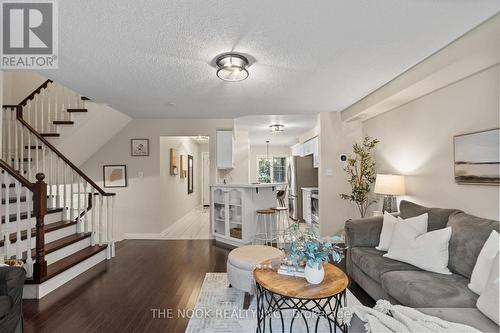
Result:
29,38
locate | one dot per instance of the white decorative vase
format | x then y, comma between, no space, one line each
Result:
314,275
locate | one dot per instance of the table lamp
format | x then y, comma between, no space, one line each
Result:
390,186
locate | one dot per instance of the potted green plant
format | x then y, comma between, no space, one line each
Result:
360,168
307,249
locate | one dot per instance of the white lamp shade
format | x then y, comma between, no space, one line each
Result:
390,184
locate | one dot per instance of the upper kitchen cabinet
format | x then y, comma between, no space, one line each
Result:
311,147
225,149
297,150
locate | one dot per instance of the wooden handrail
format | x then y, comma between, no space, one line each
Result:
36,91
11,171
19,117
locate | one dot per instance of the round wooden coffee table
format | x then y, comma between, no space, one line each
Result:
277,292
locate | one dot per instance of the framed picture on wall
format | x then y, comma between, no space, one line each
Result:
477,158
190,174
183,166
139,147
115,175
174,170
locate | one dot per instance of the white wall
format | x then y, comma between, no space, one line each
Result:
261,150
175,200
19,84
138,206
336,137
416,140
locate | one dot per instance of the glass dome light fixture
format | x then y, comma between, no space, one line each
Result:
277,128
232,67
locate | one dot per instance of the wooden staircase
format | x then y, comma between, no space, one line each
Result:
54,218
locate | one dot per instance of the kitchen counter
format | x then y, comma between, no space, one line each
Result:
310,189
261,185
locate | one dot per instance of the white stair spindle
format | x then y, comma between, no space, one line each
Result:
29,164
31,224
21,163
36,116
112,226
85,207
19,253
42,118
65,202
92,217
100,220
16,146
56,178
9,136
37,153
79,202
56,110
109,238
49,181
71,197
6,180
44,169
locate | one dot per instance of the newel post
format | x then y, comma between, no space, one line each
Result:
40,209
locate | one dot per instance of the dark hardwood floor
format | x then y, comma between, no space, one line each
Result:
118,295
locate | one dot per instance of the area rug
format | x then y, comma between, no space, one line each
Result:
220,309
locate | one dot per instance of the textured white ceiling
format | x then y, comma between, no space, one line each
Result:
155,58
259,131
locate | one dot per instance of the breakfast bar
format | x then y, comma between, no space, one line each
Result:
233,210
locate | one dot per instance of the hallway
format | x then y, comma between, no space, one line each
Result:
194,225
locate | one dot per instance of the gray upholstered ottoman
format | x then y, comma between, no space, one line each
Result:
241,263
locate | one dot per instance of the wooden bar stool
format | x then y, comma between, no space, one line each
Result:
266,227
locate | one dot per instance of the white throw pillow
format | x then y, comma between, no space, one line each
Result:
419,223
484,261
487,303
428,251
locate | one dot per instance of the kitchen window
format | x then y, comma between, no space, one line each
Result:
271,169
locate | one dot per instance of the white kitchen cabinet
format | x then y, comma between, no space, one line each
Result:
297,150
225,149
315,151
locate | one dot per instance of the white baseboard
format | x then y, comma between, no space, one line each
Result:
144,235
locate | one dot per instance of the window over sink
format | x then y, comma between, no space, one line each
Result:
271,169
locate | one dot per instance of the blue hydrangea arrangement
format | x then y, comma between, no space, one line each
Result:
306,247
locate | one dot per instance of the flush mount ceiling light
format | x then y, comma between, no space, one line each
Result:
277,128
202,138
232,67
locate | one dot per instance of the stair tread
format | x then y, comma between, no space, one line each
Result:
24,215
48,228
77,110
50,134
70,261
58,244
63,122
33,147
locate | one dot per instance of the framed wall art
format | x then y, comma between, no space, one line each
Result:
139,147
190,173
115,175
174,170
477,158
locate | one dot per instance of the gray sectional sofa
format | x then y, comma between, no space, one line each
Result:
444,296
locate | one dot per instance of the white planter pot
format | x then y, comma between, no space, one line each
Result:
314,275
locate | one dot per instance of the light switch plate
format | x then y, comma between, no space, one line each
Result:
329,172
140,174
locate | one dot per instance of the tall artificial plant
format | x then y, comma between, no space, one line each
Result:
360,168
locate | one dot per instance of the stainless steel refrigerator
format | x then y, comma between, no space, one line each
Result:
301,173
